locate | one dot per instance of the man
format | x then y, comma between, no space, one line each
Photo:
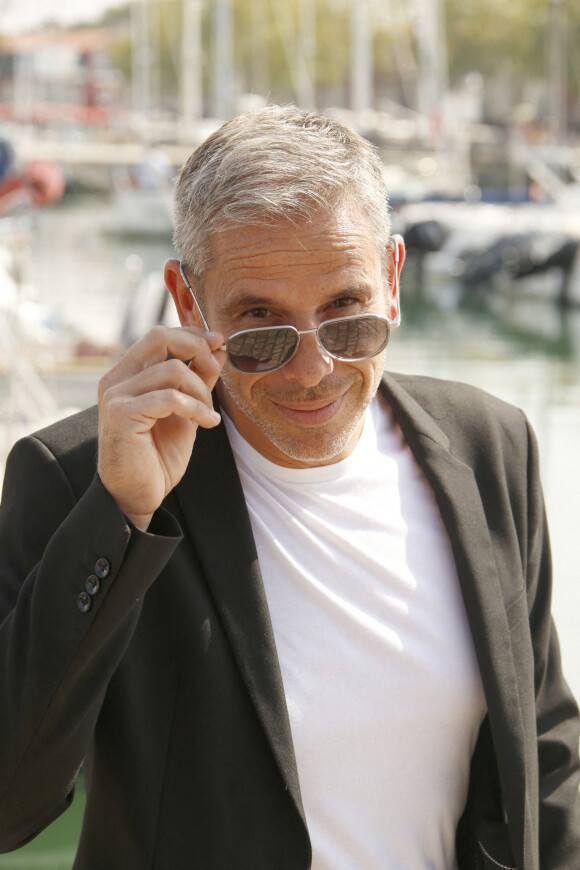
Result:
317,634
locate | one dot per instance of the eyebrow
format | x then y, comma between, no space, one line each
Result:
362,291
252,301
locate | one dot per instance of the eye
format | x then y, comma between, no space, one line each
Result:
344,302
258,313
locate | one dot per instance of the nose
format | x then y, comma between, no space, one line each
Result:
310,364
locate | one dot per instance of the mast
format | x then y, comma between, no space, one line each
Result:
432,50
557,63
140,61
190,89
361,57
260,67
298,45
306,54
223,72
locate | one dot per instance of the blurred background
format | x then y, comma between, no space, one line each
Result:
475,108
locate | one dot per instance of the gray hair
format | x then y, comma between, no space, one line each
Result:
275,164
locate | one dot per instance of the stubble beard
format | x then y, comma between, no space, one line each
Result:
315,444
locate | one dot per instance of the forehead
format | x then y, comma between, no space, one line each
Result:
337,246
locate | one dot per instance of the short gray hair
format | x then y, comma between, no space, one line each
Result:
274,164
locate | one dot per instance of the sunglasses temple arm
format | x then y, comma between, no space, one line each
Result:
197,305
397,319
200,312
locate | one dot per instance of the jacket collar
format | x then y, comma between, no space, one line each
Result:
460,505
212,501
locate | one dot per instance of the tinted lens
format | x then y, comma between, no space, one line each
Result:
262,350
355,337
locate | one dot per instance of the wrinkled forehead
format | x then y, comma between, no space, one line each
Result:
332,240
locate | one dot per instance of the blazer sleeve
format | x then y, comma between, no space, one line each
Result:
557,718
73,573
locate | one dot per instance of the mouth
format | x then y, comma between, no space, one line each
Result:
310,413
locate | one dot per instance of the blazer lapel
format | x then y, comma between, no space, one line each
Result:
461,509
211,499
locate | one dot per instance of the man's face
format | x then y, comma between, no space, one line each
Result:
310,411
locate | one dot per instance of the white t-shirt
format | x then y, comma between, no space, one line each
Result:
382,685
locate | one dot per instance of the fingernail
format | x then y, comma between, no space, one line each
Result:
215,416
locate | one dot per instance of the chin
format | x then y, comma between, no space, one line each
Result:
316,447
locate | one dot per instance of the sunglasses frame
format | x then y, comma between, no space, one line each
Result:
299,332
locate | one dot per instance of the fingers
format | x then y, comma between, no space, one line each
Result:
150,405
183,343
172,374
139,413
145,386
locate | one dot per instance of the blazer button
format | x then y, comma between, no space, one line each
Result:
102,568
84,602
93,584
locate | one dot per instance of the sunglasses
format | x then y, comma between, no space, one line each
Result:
267,348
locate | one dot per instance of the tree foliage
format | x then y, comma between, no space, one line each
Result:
494,37
511,35
486,36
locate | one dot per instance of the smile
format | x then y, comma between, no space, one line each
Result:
311,413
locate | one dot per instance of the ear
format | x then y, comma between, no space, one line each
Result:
395,259
183,300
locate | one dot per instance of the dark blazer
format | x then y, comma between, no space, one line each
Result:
149,657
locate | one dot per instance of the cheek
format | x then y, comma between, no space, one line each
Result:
379,364
239,384
375,374
371,370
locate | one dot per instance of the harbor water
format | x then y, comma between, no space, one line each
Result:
515,343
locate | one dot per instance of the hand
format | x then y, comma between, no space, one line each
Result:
149,411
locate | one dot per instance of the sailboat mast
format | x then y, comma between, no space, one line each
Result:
361,56
432,50
223,71
191,96
557,70
306,54
140,60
